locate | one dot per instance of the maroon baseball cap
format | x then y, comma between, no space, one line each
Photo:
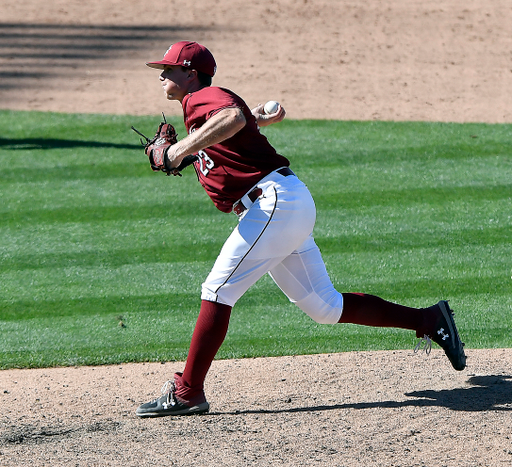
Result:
190,55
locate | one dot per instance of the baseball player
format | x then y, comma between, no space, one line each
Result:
243,173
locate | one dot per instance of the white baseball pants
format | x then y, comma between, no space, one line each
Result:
274,236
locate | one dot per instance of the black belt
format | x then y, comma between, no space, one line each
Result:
253,195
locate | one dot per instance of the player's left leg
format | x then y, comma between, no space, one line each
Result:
184,394
274,226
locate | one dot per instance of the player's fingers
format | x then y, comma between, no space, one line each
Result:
258,110
277,116
281,112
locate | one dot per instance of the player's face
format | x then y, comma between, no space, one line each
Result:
175,82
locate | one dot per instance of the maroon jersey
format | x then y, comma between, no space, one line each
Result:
228,170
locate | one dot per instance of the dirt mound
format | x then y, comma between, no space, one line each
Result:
358,408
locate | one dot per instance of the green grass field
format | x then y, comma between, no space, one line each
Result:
101,260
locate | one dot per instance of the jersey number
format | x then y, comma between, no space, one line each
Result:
205,163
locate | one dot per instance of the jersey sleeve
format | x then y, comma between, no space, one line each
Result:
201,106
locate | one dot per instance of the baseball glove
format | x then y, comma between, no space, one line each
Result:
156,148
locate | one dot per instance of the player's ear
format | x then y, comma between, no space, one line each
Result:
192,73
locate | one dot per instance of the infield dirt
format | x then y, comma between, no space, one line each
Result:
447,60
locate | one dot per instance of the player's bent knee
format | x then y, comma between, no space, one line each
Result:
321,311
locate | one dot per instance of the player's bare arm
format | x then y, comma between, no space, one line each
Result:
223,125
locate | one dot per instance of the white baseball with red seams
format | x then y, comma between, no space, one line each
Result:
271,107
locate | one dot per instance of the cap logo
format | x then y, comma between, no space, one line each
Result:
187,63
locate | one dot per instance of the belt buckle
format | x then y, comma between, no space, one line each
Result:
238,208
253,195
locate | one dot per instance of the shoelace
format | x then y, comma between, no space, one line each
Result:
168,389
425,344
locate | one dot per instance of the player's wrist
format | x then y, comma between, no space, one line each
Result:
174,155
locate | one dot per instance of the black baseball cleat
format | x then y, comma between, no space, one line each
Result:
168,404
444,333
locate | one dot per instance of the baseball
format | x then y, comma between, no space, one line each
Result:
271,107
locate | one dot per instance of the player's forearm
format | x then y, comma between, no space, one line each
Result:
218,128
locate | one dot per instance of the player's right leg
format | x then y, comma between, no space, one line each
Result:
302,276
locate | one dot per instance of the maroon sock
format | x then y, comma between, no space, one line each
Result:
370,310
209,333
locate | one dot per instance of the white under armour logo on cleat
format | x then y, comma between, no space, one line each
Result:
441,333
